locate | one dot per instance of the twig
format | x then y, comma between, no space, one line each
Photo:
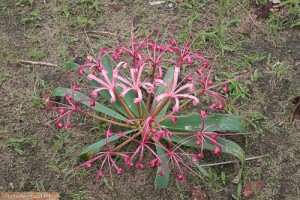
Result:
233,161
156,3
38,63
248,15
107,33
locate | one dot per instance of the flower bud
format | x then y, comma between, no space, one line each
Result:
172,42
92,103
80,71
104,50
59,125
158,163
61,111
217,150
77,88
94,94
209,82
68,125
129,163
139,166
115,57
206,64
199,71
214,105
120,171
198,142
100,175
152,163
220,107
174,120
225,89
194,158
200,155
189,78
180,177
162,172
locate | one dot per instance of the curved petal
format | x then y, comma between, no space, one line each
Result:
176,106
161,96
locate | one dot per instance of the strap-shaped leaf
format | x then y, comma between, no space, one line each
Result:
228,146
91,151
161,89
98,107
162,181
214,122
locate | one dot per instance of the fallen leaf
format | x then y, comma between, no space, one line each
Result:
46,99
296,113
251,187
296,100
271,6
116,6
199,194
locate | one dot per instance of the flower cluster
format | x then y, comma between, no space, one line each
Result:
149,74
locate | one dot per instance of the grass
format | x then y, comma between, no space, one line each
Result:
219,37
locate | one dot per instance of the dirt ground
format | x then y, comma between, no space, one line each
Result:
35,157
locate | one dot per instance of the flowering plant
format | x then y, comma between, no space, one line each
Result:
147,91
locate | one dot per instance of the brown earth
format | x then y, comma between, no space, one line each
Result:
44,159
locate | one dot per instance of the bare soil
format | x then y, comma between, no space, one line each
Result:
44,160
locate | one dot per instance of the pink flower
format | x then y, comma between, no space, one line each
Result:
174,92
134,83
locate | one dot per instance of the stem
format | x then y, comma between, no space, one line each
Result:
160,107
127,141
106,120
234,161
182,105
139,106
125,108
183,133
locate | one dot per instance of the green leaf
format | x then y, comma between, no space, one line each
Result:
98,107
228,146
214,122
162,181
91,151
161,89
201,169
70,65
